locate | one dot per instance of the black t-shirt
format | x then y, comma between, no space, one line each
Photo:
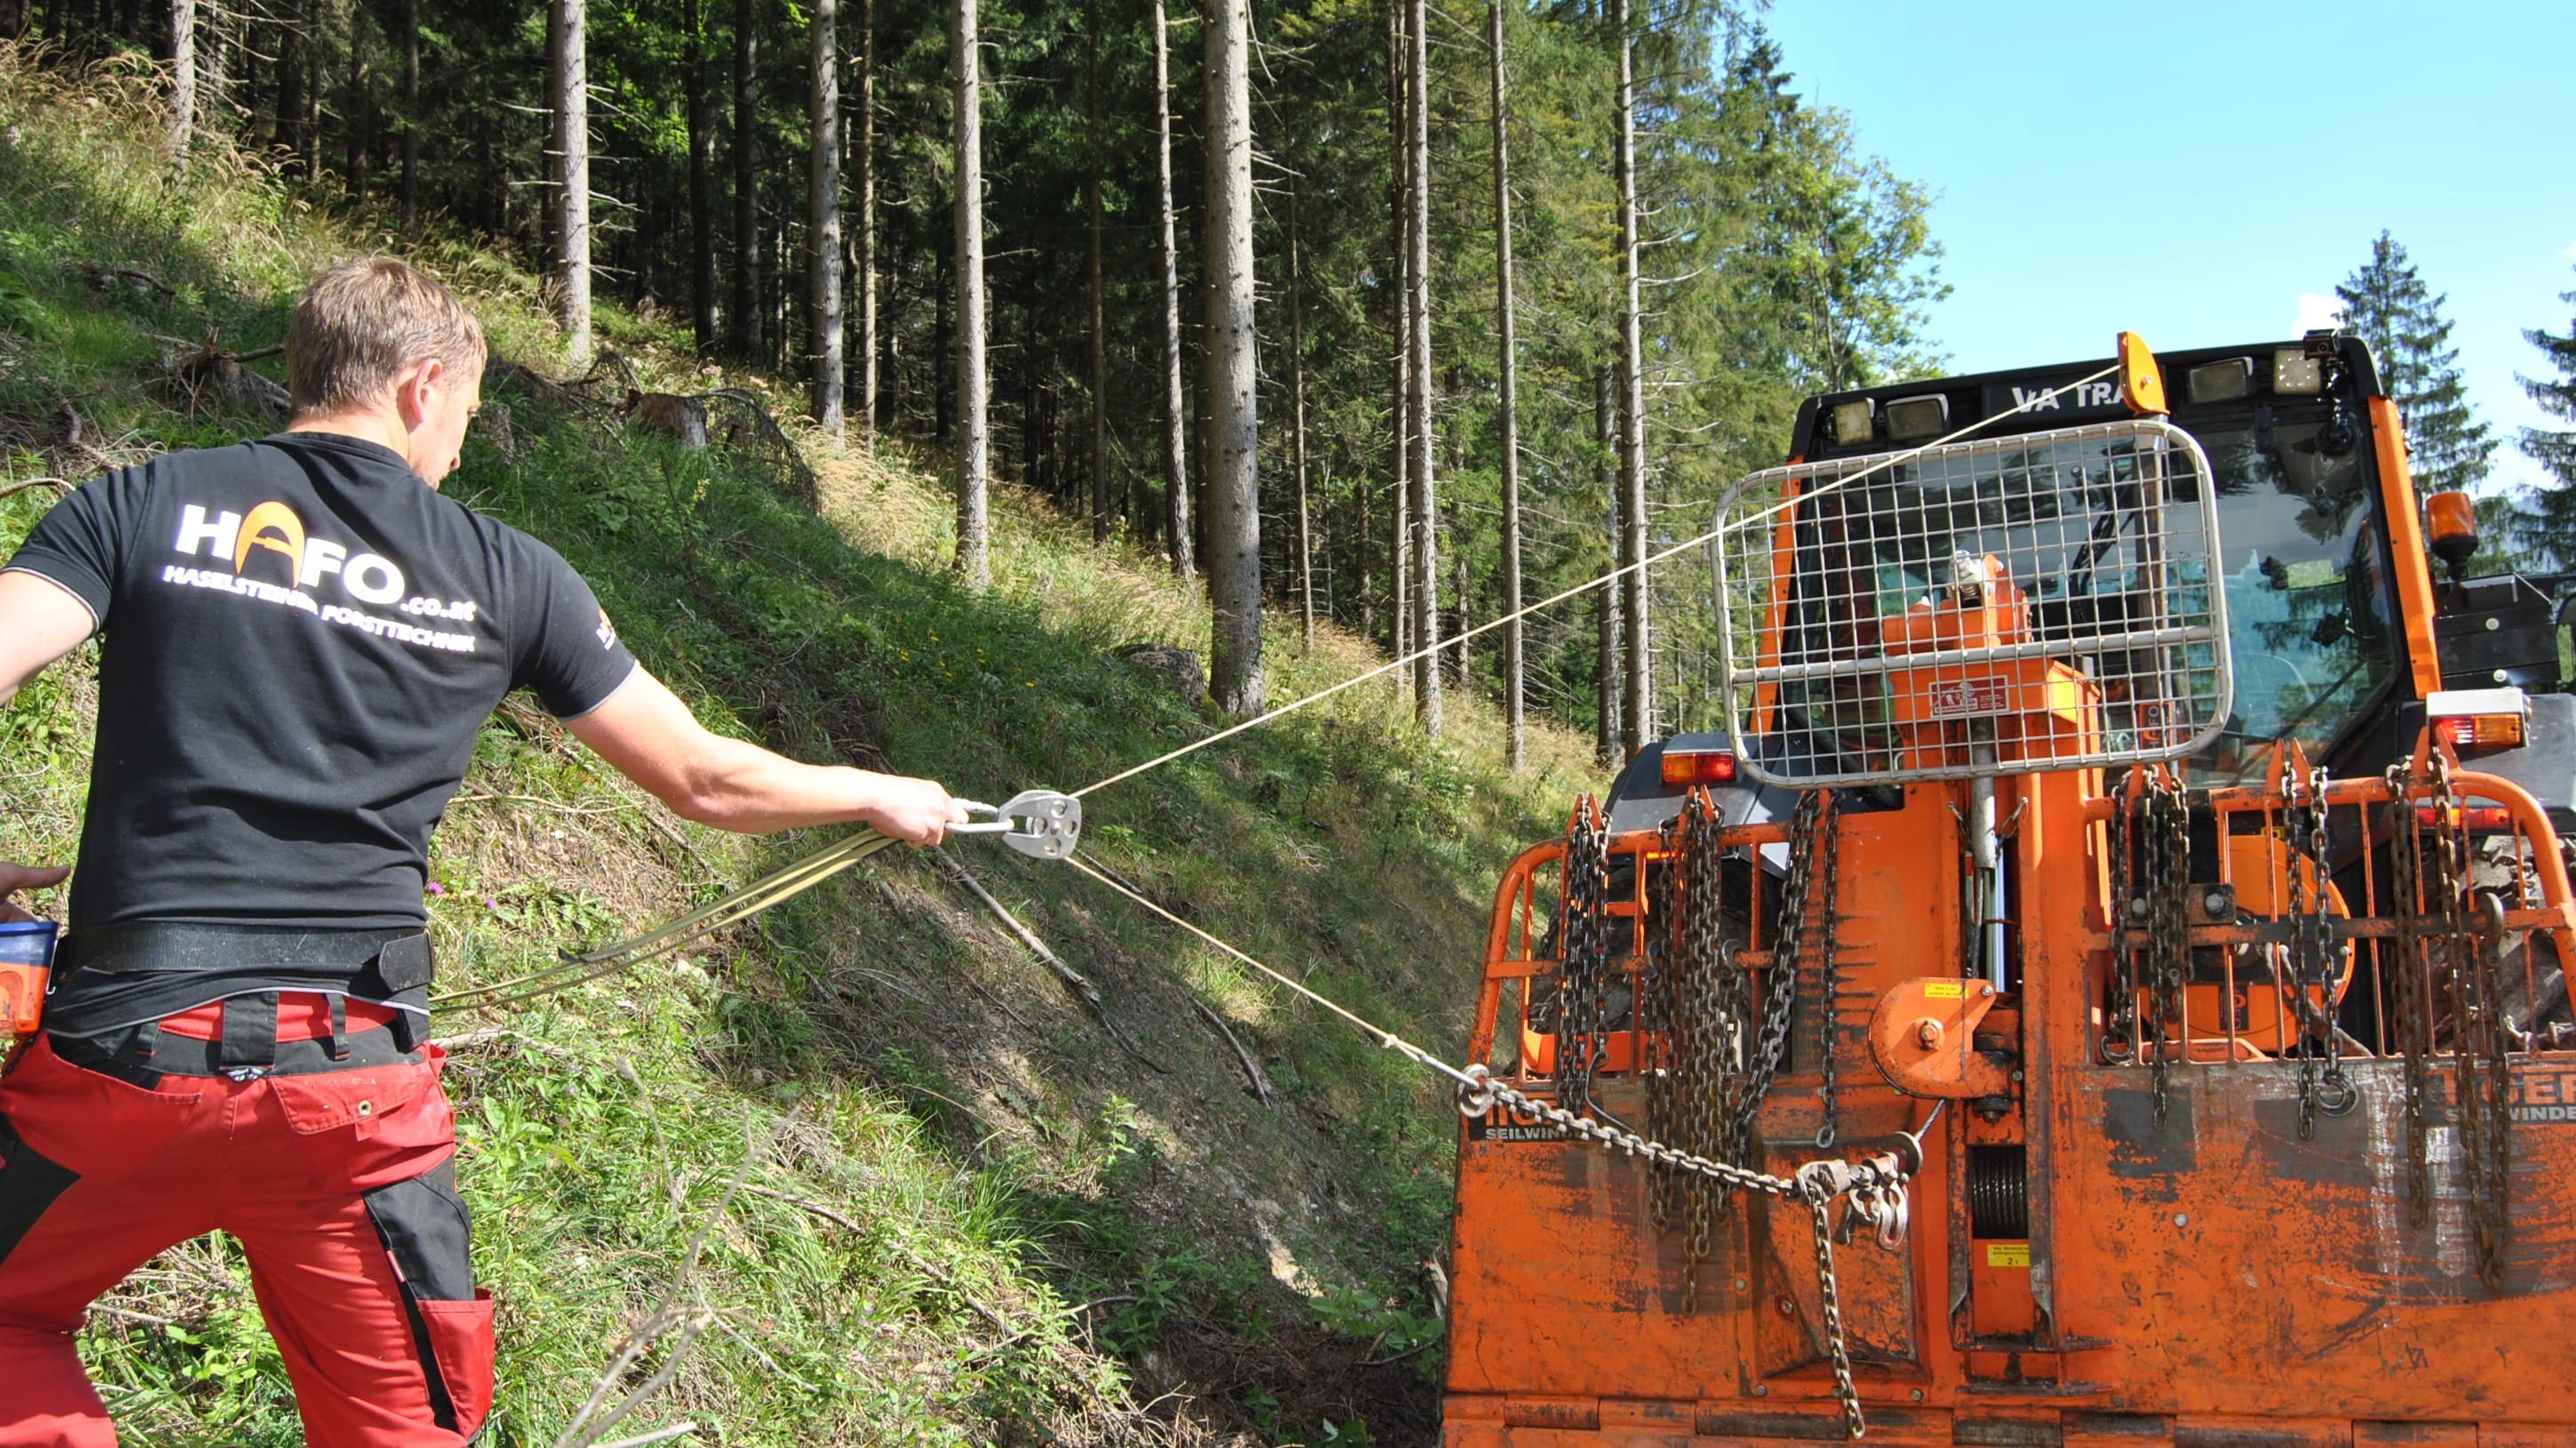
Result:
302,641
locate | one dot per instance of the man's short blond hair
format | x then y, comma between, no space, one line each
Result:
361,323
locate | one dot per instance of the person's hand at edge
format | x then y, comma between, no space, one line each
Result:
915,811
14,878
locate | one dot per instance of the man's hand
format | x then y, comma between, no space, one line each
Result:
14,878
915,811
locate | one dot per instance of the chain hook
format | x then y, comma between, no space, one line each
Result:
1476,1093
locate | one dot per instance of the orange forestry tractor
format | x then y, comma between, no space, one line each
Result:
2099,985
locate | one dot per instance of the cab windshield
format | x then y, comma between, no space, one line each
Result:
2308,609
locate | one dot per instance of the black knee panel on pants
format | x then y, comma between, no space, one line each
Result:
427,1229
29,1184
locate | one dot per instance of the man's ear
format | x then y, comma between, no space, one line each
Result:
416,392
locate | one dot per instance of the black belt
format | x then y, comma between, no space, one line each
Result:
142,1055
399,960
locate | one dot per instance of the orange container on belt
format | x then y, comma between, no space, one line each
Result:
26,963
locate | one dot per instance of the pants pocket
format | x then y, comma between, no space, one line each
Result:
428,1235
92,1125
461,1353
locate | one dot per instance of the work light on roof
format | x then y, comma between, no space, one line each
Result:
1911,417
2293,370
1852,422
2222,381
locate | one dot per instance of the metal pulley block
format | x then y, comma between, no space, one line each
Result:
1036,822
1874,1191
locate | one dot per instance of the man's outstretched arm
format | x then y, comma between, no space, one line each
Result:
653,739
40,621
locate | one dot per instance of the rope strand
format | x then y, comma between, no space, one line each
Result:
1721,530
795,879
1362,1024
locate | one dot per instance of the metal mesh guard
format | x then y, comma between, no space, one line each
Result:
2006,606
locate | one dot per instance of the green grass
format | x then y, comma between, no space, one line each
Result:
966,1211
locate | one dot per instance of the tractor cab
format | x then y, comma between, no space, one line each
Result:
2334,642
2126,845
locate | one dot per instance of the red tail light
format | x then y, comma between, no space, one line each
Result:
1698,766
2477,819
2481,729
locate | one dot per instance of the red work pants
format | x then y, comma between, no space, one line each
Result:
338,1184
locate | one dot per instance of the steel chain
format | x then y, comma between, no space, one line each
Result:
2482,1073
2167,830
2120,1036
1690,1101
1876,1182
1583,956
1829,978
1664,1008
1829,1292
2313,954
2413,989
1780,980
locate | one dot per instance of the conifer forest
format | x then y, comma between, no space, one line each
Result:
1386,312
1394,316
1090,379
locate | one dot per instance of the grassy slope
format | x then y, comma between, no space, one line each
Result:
966,1210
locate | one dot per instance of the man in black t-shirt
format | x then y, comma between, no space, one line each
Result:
300,642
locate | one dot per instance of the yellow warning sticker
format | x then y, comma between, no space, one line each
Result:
1945,990
2007,1254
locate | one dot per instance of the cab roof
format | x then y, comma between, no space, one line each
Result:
1972,397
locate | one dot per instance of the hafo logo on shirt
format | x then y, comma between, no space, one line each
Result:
272,534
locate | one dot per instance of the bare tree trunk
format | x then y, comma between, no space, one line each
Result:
1400,549
287,126
943,347
218,35
1297,424
1232,380
183,77
1176,416
549,212
1606,667
823,232
1417,304
1099,285
1636,703
411,117
1508,406
746,178
358,118
974,438
1462,662
308,124
702,182
869,342
568,92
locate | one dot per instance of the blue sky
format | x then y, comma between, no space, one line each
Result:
2204,173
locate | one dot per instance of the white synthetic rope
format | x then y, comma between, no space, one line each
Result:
1380,1034
804,874
1733,525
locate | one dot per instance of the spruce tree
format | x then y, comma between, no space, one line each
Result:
2389,306
2547,522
